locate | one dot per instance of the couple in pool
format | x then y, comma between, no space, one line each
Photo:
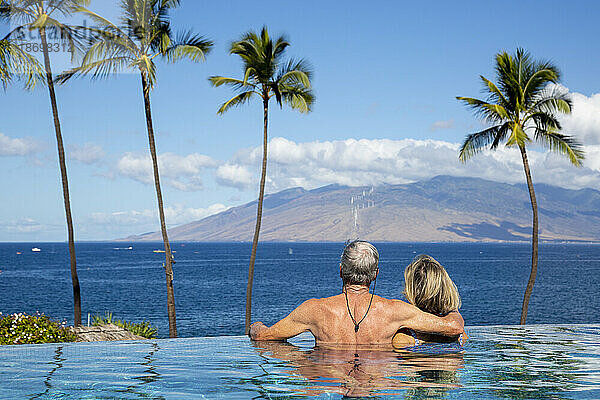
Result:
357,316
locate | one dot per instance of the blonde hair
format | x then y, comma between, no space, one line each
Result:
428,286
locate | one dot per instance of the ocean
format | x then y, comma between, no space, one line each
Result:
210,281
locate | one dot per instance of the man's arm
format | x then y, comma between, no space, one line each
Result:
409,316
298,321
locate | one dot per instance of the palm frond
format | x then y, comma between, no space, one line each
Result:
147,35
476,142
19,12
279,47
297,97
506,72
260,55
553,98
525,97
296,72
73,36
265,73
147,66
170,3
15,62
158,34
37,18
275,88
65,7
543,120
249,74
238,100
561,144
236,84
495,93
493,113
109,54
40,22
188,45
501,135
517,137
245,48
538,81
98,69
101,22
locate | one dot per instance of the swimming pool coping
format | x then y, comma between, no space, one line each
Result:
302,336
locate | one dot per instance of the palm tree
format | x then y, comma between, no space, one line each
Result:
39,15
522,108
146,35
15,61
266,75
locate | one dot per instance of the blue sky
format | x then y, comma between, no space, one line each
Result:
386,77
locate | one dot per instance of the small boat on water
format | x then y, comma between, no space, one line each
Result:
158,251
290,251
18,253
36,250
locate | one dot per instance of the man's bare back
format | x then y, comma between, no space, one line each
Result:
356,316
330,322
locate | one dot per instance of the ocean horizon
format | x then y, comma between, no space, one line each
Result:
127,279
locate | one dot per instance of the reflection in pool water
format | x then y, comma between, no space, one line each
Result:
363,371
533,362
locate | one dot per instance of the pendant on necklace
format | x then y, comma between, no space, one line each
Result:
356,328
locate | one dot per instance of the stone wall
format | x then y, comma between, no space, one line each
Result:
103,333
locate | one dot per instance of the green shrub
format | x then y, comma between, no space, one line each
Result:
27,329
143,329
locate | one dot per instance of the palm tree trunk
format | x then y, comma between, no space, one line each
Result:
65,182
163,226
534,237
261,196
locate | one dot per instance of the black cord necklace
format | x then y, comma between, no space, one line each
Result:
357,324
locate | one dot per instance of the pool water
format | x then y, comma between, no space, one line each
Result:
499,362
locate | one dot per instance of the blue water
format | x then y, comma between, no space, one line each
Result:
210,281
532,362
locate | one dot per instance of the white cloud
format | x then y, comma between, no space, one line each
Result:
373,162
89,153
438,125
17,146
234,175
181,172
175,215
26,225
584,121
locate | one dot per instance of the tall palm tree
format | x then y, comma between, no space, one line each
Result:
266,75
40,16
146,35
522,108
14,61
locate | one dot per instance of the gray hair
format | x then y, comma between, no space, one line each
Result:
359,263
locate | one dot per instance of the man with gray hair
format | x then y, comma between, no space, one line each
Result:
356,316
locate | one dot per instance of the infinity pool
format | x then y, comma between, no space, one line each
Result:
503,362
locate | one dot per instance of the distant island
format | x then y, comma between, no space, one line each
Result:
442,209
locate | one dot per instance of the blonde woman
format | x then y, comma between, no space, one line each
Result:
428,286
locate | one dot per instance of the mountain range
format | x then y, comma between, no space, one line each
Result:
442,209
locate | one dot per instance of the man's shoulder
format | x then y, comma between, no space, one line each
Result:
336,301
393,306
321,304
320,301
392,302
